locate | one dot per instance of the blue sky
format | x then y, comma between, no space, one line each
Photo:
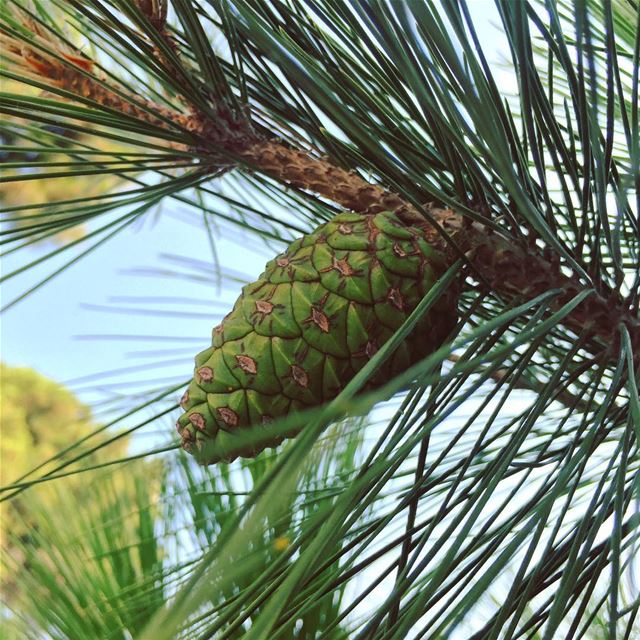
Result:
52,330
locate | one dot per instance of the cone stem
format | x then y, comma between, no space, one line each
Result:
346,188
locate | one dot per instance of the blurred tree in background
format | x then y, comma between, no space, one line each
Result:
38,419
17,134
44,190
488,492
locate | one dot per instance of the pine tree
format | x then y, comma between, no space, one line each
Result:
493,495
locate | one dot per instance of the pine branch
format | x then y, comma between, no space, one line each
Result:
509,267
48,58
156,12
424,128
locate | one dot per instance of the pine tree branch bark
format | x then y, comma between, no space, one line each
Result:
511,270
226,140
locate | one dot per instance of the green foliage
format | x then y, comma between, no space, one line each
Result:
29,149
205,501
39,419
102,566
496,496
91,566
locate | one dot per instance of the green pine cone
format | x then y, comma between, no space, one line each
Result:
313,319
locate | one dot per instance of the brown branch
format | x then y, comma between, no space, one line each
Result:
299,169
69,69
510,269
156,12
517,272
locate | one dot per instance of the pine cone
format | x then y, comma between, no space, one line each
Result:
313,319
